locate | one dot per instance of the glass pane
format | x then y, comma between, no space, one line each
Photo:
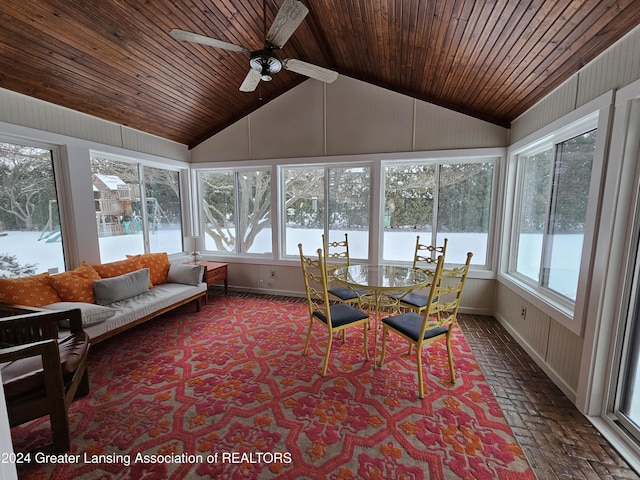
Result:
116,194
30,234
535,176
349,200
217,190
630,394
304,207
568,212
409,194
162,190
254,216
464,207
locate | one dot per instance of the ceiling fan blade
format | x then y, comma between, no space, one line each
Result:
194,37
288,18
251,81
309,69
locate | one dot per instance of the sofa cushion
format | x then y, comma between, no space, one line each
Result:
131,309
158,265
114,269
75,285
185,274
91,313
109,290
33,291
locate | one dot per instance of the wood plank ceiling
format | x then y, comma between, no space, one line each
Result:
115,59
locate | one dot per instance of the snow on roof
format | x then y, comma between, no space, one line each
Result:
111,181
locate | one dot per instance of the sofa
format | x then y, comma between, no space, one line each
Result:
112,297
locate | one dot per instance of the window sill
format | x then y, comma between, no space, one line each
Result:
557,310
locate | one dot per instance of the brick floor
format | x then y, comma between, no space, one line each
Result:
559,442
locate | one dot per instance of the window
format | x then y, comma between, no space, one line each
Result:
438,200
329,200
137,208
553,196
236,210
30,228
164,211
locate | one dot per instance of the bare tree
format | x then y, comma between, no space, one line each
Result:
25,173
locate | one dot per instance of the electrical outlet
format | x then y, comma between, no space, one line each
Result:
523,313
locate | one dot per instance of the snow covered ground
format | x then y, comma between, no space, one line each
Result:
398,246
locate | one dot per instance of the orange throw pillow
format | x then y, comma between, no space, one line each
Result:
33,291
158,265
115,269
76,285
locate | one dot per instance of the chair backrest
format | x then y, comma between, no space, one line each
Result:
316,282
336,252
445,294
427,254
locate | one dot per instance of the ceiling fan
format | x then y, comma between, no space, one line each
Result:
264,63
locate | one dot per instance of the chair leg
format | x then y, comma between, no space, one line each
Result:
384,346
452,370
60,430
83,387
419,362
326,356
306,342
366,334
344,336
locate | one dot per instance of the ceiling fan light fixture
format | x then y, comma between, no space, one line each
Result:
265,62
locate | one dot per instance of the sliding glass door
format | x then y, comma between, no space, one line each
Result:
626,403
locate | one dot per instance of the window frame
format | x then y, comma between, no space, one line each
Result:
196,207
376,207
62,185
437,161
570,314
140,165
325,166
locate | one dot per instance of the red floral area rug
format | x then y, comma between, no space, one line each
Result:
227,394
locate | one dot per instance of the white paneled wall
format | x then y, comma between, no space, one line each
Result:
553,347
616,67
363,118
557,350
347,117
29,112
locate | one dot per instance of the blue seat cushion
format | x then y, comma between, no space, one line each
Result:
341,314
410,324
414,299
346,293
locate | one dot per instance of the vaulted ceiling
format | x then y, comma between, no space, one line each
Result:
116,60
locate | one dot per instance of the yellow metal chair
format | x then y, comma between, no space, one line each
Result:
337,254
425,260
437,320
336,317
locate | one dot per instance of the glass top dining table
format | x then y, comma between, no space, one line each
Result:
381,281
381,277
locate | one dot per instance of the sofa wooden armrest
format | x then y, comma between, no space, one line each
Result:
42,374
31,324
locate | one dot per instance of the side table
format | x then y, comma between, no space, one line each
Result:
214,272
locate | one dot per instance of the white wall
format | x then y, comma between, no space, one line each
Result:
18,109
562,354
616,67
347,117
332,122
